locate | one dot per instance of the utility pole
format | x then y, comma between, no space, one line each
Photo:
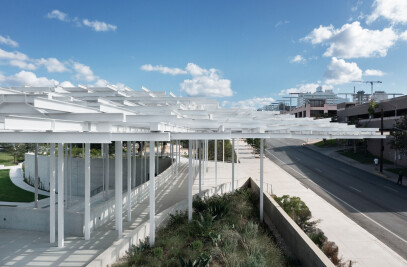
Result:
381,141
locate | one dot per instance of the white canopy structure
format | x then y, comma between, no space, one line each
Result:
102,115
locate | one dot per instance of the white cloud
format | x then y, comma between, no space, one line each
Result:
305,88
403,36
393,10
204,82
56,14
281,22
99,26
253,103
353,41
12,55
27,78
7,41
22,64
163,70
372,72
67,84
53,64
298,59
339,71
83,72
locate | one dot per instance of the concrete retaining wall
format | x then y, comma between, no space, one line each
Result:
77,172
38,220
297,241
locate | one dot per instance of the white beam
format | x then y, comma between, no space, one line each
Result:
60,195
52,193
87,191
151,136
119,187
152,195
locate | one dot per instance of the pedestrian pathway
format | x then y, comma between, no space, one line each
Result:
17,178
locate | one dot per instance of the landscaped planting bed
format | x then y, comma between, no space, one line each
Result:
225,231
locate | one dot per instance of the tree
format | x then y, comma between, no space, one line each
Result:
371,108
16,150
399,134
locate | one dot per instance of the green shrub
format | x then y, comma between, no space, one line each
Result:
197,245
318,237
157,252
179,218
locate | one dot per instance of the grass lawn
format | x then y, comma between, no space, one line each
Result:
361,157
11,193
6,159
225,231
397,170
328,143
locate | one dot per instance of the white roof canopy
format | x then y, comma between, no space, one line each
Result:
105,114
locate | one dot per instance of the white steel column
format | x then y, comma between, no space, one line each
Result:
129,181
261,178
190,181
207,154
157,156
200,166
107,171
203,158
145,161
223,154
52,193
172,159
152,195
119,186
177,157
233,165
60,195
87,191
36,176
216,163
134,167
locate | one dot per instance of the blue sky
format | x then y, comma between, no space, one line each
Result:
244,53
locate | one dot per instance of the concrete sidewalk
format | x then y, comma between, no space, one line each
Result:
333,153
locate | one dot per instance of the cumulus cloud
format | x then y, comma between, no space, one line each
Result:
204,82
163,70
305,88
12,55
99,26
22,64
393,10
403,36
7,41
339,71
353,41
53,64
252,103
83,72
56,14
28,78
371,72
298,59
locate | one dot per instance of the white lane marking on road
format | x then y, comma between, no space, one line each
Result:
338,198
391,189
318,170
355,189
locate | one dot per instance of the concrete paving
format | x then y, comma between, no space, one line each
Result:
27,248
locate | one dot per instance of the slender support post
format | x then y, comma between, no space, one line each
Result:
237,160
203,159
223,153
36,177
207,154
177,158
190,181
200,167
134,167
119,186
233,165
60,195
216,163
145,161
52,193
141,163
129,181
157,156
172,159
87,191
261,178
381,140
152,195
107,171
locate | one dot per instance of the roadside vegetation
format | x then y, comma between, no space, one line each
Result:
398,170
327,143
12,193
363,157
225,231
300,213
228,150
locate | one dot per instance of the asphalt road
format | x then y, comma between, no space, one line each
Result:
378,205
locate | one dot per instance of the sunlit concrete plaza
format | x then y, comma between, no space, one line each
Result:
99,225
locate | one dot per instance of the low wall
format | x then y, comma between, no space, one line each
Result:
77,172
297,241
19,218
118,249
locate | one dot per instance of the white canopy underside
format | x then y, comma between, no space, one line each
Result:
106,114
